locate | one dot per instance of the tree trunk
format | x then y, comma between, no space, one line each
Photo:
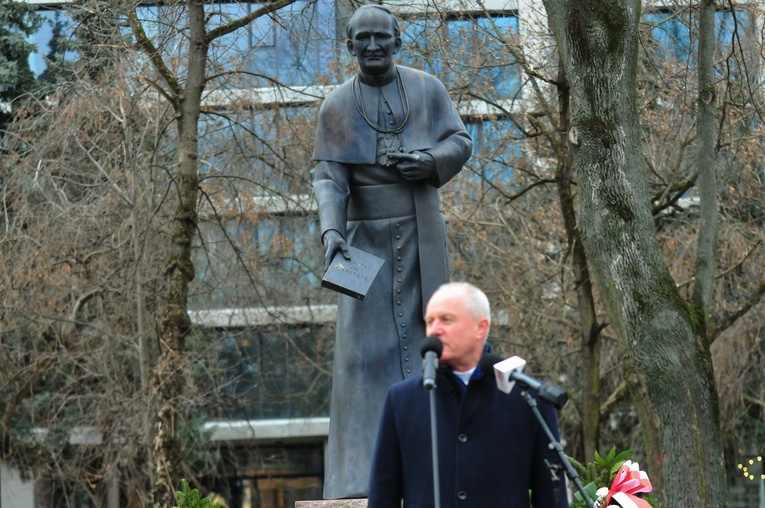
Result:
589,327
175,324
669,371
705,159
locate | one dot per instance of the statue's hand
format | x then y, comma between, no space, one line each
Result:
414,166
333,242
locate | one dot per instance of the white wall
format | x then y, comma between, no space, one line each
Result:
15,492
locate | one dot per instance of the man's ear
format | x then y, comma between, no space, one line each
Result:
483,328
349,45
397,45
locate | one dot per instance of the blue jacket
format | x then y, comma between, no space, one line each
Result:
491,448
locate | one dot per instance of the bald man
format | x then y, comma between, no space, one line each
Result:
491,447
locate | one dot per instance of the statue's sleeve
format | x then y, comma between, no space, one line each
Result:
454,145
331,188
450,155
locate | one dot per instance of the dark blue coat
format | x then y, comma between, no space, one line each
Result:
491,448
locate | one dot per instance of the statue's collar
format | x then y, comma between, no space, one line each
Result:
383,80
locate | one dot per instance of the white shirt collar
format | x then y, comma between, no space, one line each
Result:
465,376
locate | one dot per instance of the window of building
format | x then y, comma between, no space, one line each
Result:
255,261
497,143
293,46
274,372
672,37
466,53
269,477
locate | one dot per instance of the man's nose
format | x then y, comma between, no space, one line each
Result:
433,330
373,44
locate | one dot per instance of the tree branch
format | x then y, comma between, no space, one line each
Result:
619,394
728,320
145,44
245,20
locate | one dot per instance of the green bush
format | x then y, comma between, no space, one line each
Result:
189,498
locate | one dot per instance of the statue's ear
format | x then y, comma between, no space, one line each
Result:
397,45
349,45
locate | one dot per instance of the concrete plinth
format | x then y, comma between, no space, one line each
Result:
333,503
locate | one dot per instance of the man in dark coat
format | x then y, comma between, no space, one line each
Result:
387,139
491,447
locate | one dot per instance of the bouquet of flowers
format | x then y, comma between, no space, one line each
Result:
613,481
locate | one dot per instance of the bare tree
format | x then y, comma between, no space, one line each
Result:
508,237
182,87
665,347
106,189
82,211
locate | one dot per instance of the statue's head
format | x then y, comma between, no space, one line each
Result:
373,38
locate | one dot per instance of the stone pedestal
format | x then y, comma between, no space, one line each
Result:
334,503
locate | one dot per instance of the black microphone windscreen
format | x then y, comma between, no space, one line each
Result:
432,344
487,362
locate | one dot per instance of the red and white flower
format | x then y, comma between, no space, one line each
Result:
629,480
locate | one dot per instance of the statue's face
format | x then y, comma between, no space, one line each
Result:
373,41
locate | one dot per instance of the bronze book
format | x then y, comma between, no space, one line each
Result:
352,277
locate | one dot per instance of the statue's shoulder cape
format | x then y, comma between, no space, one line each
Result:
344,136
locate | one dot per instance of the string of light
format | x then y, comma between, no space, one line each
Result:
747,472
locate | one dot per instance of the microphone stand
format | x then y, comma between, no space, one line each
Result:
555,445
434,446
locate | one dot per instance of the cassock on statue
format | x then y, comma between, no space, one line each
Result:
362,196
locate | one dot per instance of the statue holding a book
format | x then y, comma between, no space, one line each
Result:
386,140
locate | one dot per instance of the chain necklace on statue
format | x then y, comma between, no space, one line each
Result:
388,140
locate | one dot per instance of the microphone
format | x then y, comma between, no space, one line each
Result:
431,351
508,372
